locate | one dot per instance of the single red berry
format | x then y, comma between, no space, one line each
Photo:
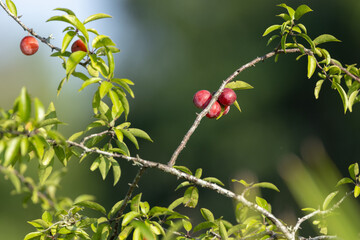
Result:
29,45
202,98
226,110
215,110
227,97
78,45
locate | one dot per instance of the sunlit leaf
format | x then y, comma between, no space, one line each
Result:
301,10
139,133
104,88
96,17
102,41
311,66
342,95
207,214
191,197
12,151
89,82
344,181
24,105
73,61
92,205
12,7
266,185
328,199
66,10
238,85
67,39
318,88
129,217
325,38
271,29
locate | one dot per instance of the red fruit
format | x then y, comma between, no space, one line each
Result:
227,97
226,110
29,45
215,110
78,45
202,98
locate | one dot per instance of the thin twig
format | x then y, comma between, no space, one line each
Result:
319,212
217,94
27,184
133,185
323,237
94,135
199,182
29,30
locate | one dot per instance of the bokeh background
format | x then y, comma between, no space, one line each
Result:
171,49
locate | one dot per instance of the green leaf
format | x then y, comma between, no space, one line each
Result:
111,62
130,136
12,151
183,169
214,180
24,105
311,66
90,81
15,181
116,170
354,170
204,225
48,156
68,11
125,232
187,225
74,59
39,110
308,39
243,182
129,217
290,10
301,10
283,42
271,29
60,85
139,133
238,85
24,146
96,17
236,104
342,95
39,144
191,197
33,235
207,214
344,181
266,185
135,203
263,203
92,205
115,209
176,203
272,38
47,217
124,102
73,20
143,229
183,184
104,88
328,199
102,41
125,84
117,106
352,99
325,38
356,191
104,166
318,88
222,230
198,173
67,39
12,7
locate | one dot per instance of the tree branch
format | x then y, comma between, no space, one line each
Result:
217,94
133,185
27,184
29,30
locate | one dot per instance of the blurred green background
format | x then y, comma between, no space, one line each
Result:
171,49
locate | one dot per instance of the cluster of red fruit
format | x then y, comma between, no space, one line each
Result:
29,45
222,105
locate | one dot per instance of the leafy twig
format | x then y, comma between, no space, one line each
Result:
27,184
29,30
133,185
